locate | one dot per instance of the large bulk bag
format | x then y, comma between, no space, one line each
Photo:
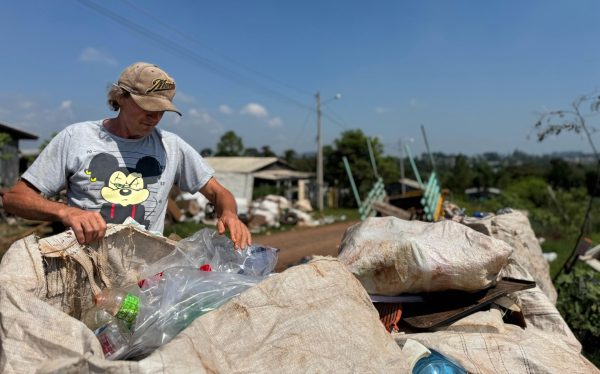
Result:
391,256
311,318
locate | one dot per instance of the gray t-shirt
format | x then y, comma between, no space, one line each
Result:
118,177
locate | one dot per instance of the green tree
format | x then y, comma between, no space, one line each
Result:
461,176
307,162
564,175
4,139
353,145
206,152
289,155
230,145
45,142
251,152
484,175
267,152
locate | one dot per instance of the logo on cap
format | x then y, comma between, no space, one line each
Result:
161,84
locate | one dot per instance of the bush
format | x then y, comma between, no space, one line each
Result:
579,303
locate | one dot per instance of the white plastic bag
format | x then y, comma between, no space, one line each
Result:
391,256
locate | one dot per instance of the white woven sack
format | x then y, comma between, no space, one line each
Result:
311,318
391,256
483,343
514,228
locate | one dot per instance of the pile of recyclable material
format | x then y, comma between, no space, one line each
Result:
202,273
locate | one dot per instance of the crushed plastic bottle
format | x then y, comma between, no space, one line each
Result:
95,317
206,248
182,294
114,338
436,363
119,303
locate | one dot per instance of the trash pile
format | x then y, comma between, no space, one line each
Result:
481,297
261,214
202,273
402,296
274,211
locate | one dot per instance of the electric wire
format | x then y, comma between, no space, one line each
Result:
228,74
191,55
198,42
297,139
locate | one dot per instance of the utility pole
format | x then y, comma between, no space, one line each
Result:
402,167
319,155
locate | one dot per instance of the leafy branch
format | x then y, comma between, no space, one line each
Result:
553,123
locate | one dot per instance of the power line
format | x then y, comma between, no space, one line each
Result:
338,121
302,128
198,42
191,55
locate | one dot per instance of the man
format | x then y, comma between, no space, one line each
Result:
121,167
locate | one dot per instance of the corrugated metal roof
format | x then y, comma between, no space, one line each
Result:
239,164
282,174
18,133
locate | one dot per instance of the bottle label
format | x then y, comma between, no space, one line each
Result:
129,309
107,347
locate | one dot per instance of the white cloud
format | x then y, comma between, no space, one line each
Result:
184,98
200,115
25,104
36,116
65,105
275,122
90,54
381,110
224,109
255,110
201,120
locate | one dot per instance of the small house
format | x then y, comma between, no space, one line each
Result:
9,153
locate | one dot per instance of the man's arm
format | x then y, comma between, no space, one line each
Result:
226,210
24,200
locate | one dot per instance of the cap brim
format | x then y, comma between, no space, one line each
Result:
154,103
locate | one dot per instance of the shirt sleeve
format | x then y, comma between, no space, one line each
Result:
49,173
193,172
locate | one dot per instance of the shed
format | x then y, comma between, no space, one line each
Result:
241,174
9,153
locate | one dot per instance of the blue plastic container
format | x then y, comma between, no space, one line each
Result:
436,363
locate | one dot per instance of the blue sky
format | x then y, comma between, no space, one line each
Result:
474,73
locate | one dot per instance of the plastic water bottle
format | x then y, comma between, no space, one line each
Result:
114,338
95,317
119,303
436,363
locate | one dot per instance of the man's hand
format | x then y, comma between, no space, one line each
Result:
87,226
25,200
226,209
239,232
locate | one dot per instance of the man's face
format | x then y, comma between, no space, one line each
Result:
137,122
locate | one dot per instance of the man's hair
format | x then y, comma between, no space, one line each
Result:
113,94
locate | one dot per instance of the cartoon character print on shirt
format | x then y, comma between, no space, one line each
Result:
124,188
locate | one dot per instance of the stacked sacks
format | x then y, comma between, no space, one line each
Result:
311,318
390,256
514,228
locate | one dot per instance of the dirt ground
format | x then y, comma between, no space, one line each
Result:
302,242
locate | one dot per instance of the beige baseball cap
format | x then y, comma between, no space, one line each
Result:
150,87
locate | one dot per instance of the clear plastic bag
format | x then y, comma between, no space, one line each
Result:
169,304
206,248
203,272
